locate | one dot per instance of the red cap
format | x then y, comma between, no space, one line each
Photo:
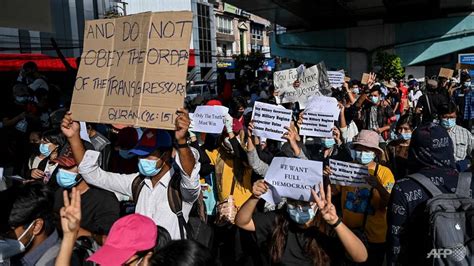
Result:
214,103
127,236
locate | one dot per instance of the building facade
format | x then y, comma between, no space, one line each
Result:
65,23
239,32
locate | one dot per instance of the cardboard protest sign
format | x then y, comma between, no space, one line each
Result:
446,73
270,120
336,78
133,69
313,81
464,66
209,119
348,174
316,125
365,78
292,178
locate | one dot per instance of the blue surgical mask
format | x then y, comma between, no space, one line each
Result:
66,179
374,99
467,84
364,157
21,99
328,143
301,215
126,154
356,90
448,122
148,167
44,149
405,136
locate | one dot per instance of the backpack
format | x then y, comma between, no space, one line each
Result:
450,222
196,228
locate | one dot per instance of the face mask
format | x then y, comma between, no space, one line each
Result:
355,90
21,99
328,143
374,99
126,154
448,122
301,215
467,84
148,167
10,248
22,246
66,179
405,136
44,149
364,157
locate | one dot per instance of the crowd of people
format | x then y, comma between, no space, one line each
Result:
85,194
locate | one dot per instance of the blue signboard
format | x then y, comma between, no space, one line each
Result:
467,59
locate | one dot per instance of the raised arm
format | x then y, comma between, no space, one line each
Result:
70,223
244,219
352,244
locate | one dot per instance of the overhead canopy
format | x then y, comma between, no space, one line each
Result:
326,14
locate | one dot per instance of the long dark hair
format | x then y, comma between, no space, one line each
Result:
277,241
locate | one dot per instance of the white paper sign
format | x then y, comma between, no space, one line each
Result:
270,120
336,78
313,81
348,174
317,125
209,119
292,178
324,105
83,133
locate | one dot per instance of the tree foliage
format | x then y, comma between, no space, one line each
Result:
390,66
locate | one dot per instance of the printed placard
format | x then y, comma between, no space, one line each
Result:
336,78
133,69
292,178
270,120
348,174
317,125
209,119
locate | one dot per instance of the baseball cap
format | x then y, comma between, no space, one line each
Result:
127,236
152,140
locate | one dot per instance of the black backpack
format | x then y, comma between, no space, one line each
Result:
451,222
196,228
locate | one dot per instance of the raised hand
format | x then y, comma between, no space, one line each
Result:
182,123
259,188
69,127
71,212
371,80
327,209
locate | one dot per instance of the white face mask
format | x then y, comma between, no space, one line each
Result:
10,248
23,247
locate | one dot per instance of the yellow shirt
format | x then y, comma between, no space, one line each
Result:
242,192
354,202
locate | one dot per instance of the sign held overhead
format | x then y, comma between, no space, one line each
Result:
133,69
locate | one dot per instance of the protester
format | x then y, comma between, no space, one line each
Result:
30,76
33,225
154,150
397,150
431,154
298,234
101,144
364,209
462,138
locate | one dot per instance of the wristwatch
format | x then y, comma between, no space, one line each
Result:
338,222
182,146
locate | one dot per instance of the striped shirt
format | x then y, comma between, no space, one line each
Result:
462,141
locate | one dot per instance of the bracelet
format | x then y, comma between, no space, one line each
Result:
339,221
181,146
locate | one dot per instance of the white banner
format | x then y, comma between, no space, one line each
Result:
348,174
313,81
209,119
292,178
270,120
